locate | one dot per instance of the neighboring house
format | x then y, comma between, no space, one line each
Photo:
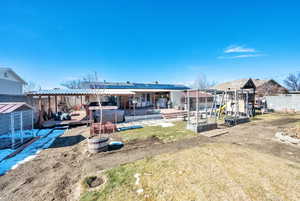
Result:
262,87
268,88
10,82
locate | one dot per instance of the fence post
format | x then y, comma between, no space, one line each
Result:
12,128
21,126
32,123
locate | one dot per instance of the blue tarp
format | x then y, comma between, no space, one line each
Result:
29,152
129,128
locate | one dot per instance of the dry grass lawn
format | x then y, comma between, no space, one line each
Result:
276,116
214,172
166,134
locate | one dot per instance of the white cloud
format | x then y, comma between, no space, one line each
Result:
240,56
238,49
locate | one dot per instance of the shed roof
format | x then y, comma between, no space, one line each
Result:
12,107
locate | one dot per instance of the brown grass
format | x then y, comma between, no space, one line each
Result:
212,172
167,134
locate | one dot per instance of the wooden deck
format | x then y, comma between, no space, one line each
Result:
78,119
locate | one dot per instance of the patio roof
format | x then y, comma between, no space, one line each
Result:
133,86
78,92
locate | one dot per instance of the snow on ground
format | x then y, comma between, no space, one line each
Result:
29,152
165,124
149,122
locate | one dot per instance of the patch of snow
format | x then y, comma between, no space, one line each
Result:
31,151
137,177
165,124
286,138
140,191
29,158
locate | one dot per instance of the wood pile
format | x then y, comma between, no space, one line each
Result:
104,128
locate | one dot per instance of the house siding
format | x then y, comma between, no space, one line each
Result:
9,87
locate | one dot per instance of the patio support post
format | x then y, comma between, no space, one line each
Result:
55,104
154,105
40,103
188,106
49,105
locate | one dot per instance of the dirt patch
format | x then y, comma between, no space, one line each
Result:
283,121
28,180
61,191
144,142
3,185
57,170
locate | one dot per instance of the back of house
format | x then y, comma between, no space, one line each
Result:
10,82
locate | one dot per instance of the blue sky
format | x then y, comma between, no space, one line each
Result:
49,42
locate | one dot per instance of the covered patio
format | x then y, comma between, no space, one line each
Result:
79,102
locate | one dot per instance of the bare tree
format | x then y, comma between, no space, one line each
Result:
31,86
293,82
77,83
72,84
201,82
92,77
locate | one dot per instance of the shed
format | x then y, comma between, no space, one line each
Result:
15,119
